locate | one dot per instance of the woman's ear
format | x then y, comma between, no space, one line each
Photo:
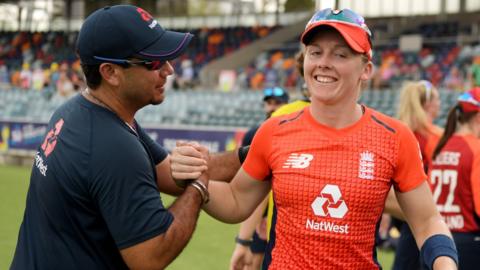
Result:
367,71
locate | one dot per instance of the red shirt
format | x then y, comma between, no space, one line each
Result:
455,181
329,186
432,132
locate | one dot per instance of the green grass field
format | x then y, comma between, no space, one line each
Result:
210,247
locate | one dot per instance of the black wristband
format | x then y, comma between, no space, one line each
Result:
243,242
242,153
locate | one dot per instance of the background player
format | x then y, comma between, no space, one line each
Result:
455,177
419,106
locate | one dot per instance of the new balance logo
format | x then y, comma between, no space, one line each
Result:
298,161
366,165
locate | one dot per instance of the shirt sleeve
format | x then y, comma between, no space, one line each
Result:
156,150
248,137
125,191
256,163
409,172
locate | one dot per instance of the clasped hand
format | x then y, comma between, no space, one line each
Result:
189,161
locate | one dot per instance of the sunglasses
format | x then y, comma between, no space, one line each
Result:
148,64
344,16
273,92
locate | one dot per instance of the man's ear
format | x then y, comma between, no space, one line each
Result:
110,73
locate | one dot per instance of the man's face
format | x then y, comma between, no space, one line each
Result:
144,86
270,105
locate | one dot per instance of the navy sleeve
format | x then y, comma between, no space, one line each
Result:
156,150
125,190
247,139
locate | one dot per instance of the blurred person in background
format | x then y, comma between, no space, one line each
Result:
251,240
455,80
454,174
38,76
331,165
54,74
185,80
474,72
64,85
273,98
419,105
26,76
4,76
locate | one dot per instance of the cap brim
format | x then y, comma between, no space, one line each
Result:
169,46
347,31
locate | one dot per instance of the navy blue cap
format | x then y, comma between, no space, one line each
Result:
124,31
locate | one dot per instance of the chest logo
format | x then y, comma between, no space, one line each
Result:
366,165
298,161
330,203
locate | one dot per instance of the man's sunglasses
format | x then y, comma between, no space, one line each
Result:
344,16
148,64
275,92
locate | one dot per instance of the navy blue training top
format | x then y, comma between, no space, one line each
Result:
93,192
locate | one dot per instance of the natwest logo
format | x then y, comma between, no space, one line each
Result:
298,161
330,203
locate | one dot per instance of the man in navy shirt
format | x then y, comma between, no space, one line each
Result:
93,200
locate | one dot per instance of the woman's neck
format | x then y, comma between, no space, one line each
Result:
468,129
335,116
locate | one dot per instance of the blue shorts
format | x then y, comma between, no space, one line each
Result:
468,247
407,255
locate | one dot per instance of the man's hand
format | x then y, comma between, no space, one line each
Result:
188,161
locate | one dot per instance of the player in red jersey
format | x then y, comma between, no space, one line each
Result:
332,165
455,177
419,105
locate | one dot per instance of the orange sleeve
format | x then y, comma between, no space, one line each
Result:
409,172
256,163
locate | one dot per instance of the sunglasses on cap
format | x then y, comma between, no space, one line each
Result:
148,64
346,15
273,92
